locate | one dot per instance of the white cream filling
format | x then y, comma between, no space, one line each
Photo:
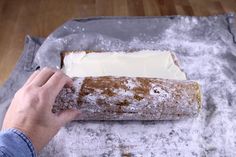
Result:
146,63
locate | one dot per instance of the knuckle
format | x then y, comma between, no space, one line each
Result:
29,88
63,76
33,98
47,69
60,76
35,72
42,93
18,93
59,73
37,98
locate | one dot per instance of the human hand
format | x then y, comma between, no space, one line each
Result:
30,109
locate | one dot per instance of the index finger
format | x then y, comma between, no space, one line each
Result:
57,81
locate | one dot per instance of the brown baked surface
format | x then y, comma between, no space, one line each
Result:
126,98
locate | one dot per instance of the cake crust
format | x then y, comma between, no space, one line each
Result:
126,98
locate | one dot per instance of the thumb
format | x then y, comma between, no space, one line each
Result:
68,115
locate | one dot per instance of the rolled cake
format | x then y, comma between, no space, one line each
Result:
142,85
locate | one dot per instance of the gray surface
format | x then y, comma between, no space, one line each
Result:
206,48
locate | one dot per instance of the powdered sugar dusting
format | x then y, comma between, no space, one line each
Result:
160,93
206,52
108,98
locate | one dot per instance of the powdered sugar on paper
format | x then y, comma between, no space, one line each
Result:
207,54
